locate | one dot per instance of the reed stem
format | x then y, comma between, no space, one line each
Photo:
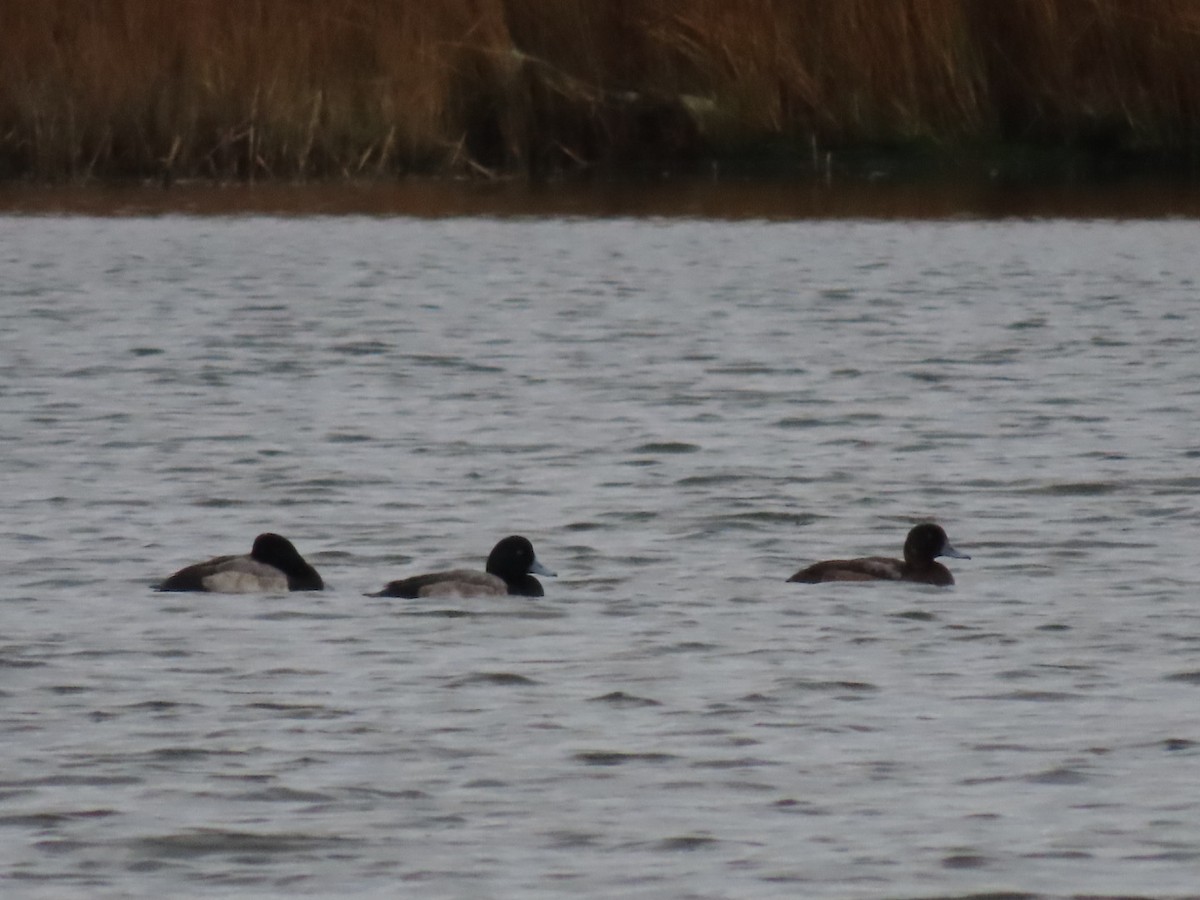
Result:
245,89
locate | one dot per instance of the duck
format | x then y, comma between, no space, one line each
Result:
272,565
510,569
924,542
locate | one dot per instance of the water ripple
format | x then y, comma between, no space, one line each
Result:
679,413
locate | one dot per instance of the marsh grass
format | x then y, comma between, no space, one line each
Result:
286,89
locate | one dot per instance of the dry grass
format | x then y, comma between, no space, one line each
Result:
330,88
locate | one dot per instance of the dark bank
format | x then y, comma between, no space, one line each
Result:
1023,91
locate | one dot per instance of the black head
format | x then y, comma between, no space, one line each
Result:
514,561
276,550
926,541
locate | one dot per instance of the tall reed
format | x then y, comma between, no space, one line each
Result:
332,88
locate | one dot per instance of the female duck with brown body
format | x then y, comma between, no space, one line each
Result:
924,542
273,565
510,570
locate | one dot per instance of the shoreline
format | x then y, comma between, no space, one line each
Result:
762,197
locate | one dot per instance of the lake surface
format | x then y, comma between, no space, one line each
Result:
680,413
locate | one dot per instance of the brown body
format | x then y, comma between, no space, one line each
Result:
924,542
874,568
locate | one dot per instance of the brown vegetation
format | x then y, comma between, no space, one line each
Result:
329,88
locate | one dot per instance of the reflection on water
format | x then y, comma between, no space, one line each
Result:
680,413
673,197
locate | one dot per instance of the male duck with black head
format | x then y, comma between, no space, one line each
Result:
510,569
273,565
924,542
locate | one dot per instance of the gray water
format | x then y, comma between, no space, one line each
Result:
679,414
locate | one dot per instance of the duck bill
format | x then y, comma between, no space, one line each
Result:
536,568
947,550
